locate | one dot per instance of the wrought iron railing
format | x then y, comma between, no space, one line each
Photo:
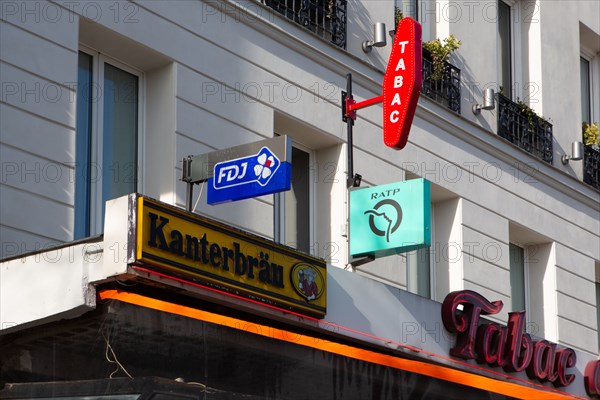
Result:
525,129
326,18
446,90
591,166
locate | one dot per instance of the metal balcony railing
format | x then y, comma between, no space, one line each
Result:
524,129
326,18
591,167
445,91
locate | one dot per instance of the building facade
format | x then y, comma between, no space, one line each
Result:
104,99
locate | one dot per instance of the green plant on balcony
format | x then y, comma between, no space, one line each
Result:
398,15
591,135
440,52
533,119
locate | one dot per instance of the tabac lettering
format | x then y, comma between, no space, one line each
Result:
508,347
402,83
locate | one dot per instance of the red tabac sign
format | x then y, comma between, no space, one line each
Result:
401,87
505,346
402,83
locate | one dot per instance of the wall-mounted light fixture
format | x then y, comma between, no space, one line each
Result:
576,152
357,180
489,102
379,39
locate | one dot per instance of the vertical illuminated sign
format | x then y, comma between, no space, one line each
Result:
402,83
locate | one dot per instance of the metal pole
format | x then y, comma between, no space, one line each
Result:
349,125
349,107
189,196
186,172
348,116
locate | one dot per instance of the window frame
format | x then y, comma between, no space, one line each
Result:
597,287
526,279
279,212
98,61
590,96
516,90
410,8
594,80
413,256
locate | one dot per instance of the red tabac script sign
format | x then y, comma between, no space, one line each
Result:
592,378
402,83
506,346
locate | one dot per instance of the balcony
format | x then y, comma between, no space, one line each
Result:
591,167
522,127
446,90
325,18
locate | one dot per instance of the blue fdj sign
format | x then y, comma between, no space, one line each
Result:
246,177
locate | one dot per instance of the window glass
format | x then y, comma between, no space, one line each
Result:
419,273
106,161
598,311
598,301
504,49
517,277
297,203
83,146
409,8
585,90
120,125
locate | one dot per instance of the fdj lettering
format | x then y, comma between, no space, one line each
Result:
232,172
199,249
259,168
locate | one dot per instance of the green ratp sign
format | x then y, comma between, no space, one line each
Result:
390,219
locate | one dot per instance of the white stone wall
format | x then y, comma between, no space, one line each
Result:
38,72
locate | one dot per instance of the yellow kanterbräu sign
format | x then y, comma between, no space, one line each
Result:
196,248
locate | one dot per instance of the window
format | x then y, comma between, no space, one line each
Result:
505,78
517,277
410,8
586,103
107,123
419,268
598,302
419,272
83,146
589,66
532,277
293,209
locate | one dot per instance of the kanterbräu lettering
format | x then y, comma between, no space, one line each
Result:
200,249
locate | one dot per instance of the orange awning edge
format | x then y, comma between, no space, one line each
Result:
419,367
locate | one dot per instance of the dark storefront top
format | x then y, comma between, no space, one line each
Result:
76,359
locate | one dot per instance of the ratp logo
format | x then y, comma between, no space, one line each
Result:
385,218
259,168
390,219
